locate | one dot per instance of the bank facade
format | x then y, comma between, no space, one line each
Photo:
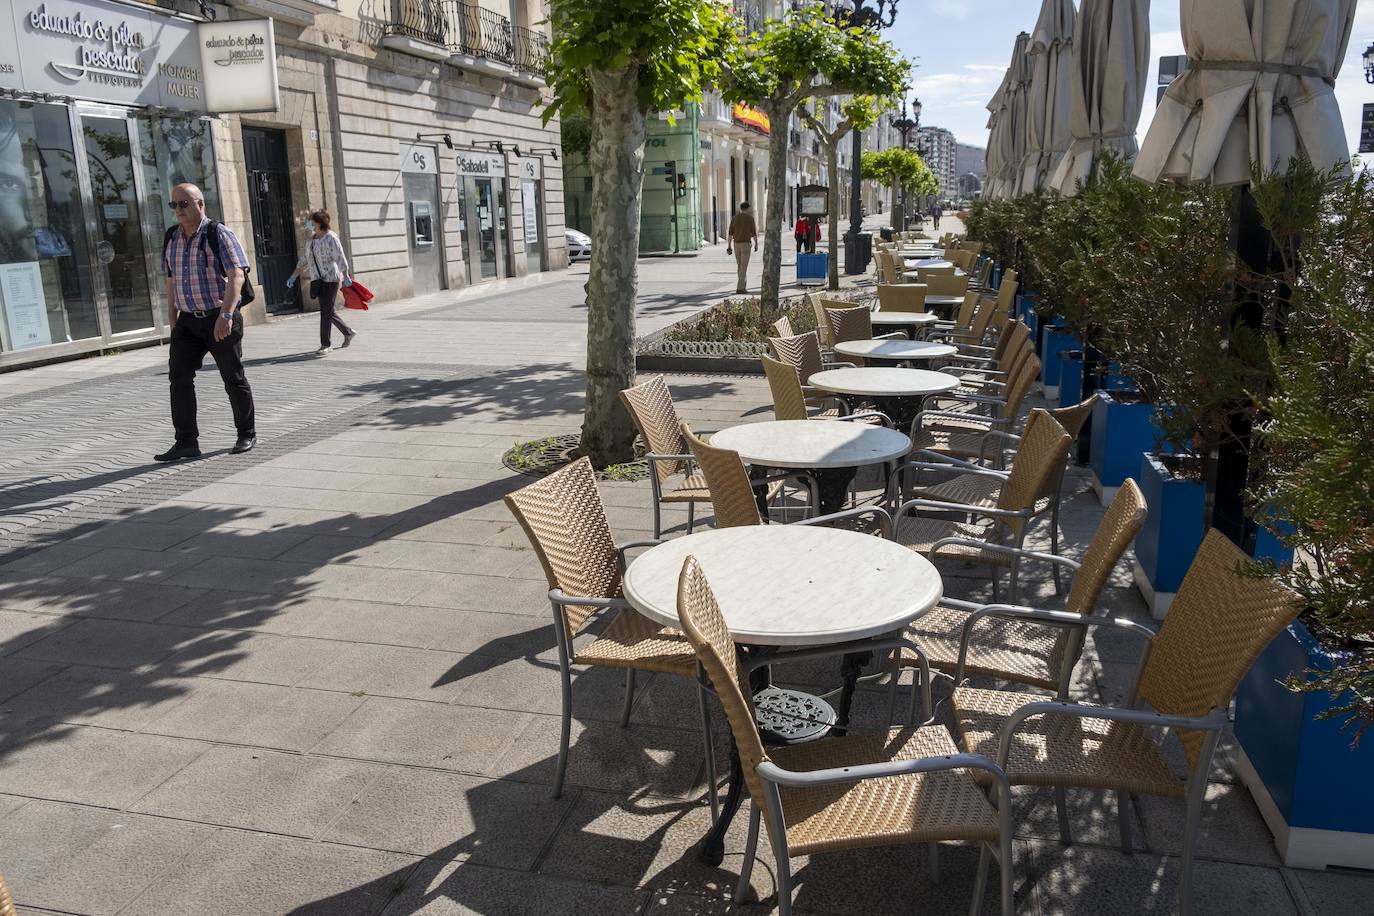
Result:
417,124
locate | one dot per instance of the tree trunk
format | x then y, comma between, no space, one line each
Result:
772,223
897,206
832,204
616,158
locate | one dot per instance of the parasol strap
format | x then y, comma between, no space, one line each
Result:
1259,66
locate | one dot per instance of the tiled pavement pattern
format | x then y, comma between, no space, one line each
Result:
322,681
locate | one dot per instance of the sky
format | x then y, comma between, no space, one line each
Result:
963,47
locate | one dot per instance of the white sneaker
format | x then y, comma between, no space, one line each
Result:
348,339
323,351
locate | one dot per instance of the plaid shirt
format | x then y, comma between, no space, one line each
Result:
190,262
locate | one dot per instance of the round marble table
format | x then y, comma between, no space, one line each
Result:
928,263
821,587
832,449
791,585
900,350
944,305
896,392
910,322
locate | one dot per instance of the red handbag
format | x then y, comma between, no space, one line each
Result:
356,296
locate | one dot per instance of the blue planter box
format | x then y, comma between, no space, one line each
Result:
1121,432
813,269
1070,377
1056,341
1171,535
1315,793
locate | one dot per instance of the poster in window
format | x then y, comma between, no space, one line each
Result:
26,311
531,204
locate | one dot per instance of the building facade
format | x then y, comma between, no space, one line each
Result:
937,147
416,123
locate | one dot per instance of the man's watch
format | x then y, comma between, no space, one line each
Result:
229,315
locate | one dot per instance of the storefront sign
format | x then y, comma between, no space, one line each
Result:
418,159
239,59
481,165
527,168
95,49
21,299
1367,129
531,203
750,117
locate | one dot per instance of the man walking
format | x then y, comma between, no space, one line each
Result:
742,231
204,277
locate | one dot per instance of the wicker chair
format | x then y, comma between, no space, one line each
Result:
945,285
854,323
651,407
783,327
958,641
980,486
902,297
1221,620
1041,456
898,787
963,433
6,901
563,517
803,352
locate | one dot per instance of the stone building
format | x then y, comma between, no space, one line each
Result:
416,123
937,147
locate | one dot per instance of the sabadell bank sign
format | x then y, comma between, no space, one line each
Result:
109,52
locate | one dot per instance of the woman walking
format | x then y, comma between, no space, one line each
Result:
327,268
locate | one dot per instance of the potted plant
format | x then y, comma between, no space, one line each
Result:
1303,708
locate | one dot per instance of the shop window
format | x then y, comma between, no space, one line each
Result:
174,151
46,294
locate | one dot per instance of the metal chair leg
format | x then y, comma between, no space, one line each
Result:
784,884
934,863
1191,824
1061,806
565,733
1123,814
691,516
1054,542
750,847
709,741
658,519
629,697
980,880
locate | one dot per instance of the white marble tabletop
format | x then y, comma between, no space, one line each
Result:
882,382
787,585
812,443
894,349
929,263
944,300
904,317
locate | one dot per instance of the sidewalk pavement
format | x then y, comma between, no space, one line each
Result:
320,678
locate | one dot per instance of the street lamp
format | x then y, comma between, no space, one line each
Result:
905,125
874,15
1369,64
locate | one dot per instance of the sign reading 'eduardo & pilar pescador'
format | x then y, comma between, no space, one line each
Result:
95,49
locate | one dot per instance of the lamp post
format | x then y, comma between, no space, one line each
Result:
880,14
905,125
1369,64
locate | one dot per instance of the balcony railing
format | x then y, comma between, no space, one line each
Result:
464,28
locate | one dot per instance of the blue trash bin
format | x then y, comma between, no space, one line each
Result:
813,269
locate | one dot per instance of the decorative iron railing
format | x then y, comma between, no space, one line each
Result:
479,32
531,50
421,19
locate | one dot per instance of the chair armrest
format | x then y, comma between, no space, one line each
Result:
558,596
1032,554
868,414
1213,721
956,415
891,335
939,506
836,364
622,549
776,774
884,519
651,458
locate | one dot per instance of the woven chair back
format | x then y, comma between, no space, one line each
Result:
1073,417
1010,344
902,297
850,324
6,901
734,500
1021,383
651,407
947,285
1038,458
563,517
800,350
975,247
1221,620
987,308
985,272
822,323
783,327
1114,534
926,274
706,630
963,320
1006,295
784,382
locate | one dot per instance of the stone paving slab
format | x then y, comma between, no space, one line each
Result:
320,678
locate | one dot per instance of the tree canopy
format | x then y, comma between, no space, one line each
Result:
902,167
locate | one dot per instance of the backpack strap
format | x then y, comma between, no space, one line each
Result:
167,241
212,238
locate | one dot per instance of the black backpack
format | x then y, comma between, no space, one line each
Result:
246,293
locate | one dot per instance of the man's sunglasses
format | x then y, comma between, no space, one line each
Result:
180,204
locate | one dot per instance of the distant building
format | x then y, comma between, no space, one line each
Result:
938,148
970,160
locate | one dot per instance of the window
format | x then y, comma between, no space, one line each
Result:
46,292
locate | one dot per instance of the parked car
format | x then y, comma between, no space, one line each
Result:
579,245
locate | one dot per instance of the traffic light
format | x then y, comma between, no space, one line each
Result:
670,173
681,190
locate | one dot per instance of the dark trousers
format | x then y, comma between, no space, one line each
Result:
192,338
328,317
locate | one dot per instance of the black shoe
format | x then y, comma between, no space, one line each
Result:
178,452
245,444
